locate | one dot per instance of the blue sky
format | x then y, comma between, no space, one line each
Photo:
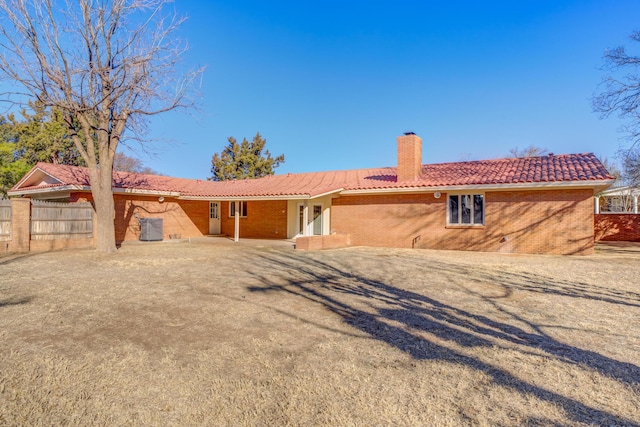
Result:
331,84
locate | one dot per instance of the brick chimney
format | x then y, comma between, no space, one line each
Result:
409,157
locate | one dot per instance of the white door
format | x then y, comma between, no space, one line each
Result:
214,218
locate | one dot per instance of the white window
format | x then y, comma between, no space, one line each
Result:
243,209
465,209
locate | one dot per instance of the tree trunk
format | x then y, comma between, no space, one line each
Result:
105,209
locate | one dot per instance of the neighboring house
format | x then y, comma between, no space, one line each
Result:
535,205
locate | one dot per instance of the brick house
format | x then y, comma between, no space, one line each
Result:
533,205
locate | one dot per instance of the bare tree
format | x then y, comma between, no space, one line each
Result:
530,151
620,95
612,168
106,65
125,163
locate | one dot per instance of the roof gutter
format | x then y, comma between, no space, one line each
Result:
595,184
36,190
145,192
240,198
305,196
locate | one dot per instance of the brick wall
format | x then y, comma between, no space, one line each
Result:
330,241
186,218
556,221
20,225
617,227
190,218
409,157
266,219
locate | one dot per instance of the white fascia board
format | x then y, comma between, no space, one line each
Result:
242,198
280,197
31,173
36,190
327,193
146,192
487,187
621,191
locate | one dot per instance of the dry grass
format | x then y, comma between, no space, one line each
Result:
201,334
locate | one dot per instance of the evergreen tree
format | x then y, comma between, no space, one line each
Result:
244,160
12,166
40,137
44,137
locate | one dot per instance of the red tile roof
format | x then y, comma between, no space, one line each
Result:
558,169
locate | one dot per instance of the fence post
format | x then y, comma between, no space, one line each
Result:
20,225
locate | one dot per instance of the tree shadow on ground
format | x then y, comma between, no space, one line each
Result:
10,259
535,283
400,318
15,301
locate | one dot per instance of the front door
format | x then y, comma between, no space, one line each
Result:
214,218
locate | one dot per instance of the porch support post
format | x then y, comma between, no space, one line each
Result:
635,203
597,204
236,228
305,219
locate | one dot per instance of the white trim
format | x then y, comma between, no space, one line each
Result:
234,198
620,191
238,208
215,220
37,190
311,220
30,174
487,187
146,192
301,228
472,213
317,196
236,223
72,187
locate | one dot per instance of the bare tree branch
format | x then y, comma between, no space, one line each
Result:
619,94
106,65
530,151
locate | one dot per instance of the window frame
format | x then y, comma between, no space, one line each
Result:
214,213
243,208
472,212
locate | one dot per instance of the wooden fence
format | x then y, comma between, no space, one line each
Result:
5,220
51,220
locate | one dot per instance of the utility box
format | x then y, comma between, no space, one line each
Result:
150,229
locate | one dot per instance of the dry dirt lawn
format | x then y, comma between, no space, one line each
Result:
182,334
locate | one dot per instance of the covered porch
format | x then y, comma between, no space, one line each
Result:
260,218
